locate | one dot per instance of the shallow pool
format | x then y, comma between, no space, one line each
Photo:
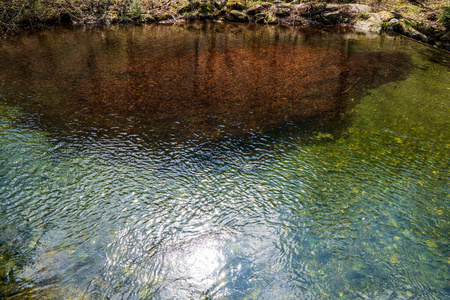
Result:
223,161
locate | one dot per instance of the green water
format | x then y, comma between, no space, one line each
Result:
350,202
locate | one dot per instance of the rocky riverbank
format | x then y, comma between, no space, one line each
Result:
428,22
316,14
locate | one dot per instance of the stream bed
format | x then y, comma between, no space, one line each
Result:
223,161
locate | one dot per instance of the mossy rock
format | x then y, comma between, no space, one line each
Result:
237,16
191,16
386,16
333,17
309,10
188,7
148,18
318,8
373,23
218,4
122,19
282,12
255,9
162,16
284,5
333,7
272,20
401,26
407,28
261,17
205,11
235,5
206,8
417,35
359,8
363,16
220,13
112,17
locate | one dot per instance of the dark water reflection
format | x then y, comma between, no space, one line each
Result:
159,163
208,80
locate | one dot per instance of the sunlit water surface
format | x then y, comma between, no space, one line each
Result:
221,161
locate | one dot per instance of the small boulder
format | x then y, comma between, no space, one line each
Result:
417,35
235,5
310,9
283,6
112,17
397,15
406,27
206,8
319,8
261,17
333,7
162,16
219,4
237,16
282,12
188,7
400,26
148,18
360,8
386,16
272,20
333,16
373,23
391,24
255,9
220,13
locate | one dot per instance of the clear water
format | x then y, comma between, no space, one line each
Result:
158,162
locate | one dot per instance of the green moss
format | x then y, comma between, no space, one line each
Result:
363,16
205,8
445,17
188,7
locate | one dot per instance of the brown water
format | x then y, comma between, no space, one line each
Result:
223,161
206,80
